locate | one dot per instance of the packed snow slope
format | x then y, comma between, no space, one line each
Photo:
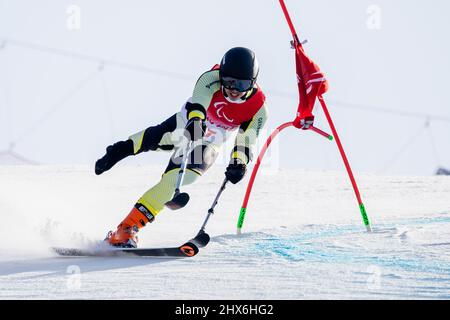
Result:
303,237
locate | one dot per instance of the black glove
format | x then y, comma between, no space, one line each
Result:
114,154
306,122
195,129
236,171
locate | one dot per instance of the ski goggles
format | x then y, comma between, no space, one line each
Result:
237,84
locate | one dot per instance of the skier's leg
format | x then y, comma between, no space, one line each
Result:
164,136
125,236
153,201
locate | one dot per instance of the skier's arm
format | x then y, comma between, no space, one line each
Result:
246,140
206,86
248,136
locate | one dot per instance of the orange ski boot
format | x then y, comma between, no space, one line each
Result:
125,235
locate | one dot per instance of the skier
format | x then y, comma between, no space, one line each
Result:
225,99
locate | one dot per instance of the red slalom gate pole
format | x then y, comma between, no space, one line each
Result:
298,46
347,165
258,164
322,133
289,21
255,171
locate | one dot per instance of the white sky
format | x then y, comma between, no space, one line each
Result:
401,67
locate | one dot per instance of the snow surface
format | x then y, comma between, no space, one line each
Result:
303,237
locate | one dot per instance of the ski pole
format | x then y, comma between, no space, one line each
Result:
183,169
216,200
202,238
180,199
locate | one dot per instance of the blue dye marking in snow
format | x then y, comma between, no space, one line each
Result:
307,246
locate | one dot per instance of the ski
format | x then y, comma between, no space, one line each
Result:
186,250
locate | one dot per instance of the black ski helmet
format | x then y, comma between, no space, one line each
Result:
239,69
